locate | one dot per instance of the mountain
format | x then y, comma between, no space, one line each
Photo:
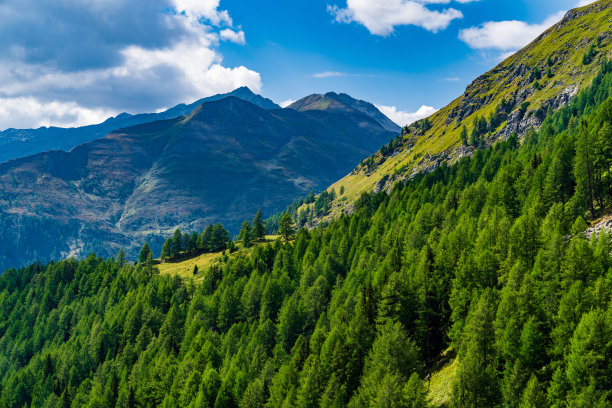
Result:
333,102
515,96
220,163
15,143
471,285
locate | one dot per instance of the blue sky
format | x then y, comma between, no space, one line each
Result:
73,62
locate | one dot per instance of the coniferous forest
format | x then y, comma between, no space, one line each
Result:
488,262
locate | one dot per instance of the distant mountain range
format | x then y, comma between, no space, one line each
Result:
217,161
15,143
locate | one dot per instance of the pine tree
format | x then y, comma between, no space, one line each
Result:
258,229
144,253
121,257
286,228
186,243
583,169
177,243
464,135
533,397
415,394
205,239
245,234
166,253
476,383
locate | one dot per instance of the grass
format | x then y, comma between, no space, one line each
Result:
441,382
565,43
184,268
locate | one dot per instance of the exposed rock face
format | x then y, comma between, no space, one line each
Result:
605,224
521,123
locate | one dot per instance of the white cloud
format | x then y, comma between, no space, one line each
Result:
504,55
583,3
403,118
286,103
452,79
34,114
381,17
173,59
207,9
506,35
234,36
335,74
329,74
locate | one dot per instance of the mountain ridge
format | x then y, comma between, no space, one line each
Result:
227,158
518,92
15,143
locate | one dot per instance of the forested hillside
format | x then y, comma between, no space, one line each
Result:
487,258
515,96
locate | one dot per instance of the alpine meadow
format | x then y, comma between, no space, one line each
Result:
460,261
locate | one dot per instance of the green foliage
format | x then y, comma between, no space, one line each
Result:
246,234
464,135
214,238
486,257
145,253
286,227
589,56
258,229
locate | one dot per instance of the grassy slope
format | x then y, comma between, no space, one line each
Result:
184,268
439,388
566,43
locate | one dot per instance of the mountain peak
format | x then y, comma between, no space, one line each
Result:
332,101
246,94
243,90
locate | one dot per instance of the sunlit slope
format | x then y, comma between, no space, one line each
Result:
185,267
542,76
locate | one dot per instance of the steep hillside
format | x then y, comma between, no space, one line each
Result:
219,164
15,143
515,96
470,286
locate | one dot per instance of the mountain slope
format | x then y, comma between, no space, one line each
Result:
219,164
479,272
510,98
15,143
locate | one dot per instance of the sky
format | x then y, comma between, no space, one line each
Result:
77,62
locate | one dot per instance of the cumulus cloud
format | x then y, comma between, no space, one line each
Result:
403,118
234,36
207,9
506,35
381,18
37,114
110,57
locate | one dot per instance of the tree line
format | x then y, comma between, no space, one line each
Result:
214,238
